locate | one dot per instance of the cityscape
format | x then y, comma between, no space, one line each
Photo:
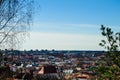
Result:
59,39
52,64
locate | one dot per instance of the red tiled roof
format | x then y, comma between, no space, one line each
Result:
47,69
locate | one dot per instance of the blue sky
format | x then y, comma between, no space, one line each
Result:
72,24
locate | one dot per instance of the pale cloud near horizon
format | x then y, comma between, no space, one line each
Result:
66,28
68,25
71,28
64,37
62,41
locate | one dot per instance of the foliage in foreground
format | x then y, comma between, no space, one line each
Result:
109,66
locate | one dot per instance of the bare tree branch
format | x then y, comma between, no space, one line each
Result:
15,17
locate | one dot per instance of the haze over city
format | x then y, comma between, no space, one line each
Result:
72,24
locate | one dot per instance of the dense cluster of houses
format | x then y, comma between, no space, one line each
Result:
51,65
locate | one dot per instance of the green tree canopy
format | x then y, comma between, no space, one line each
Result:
109,66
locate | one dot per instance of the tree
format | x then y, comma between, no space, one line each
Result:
15,19
109,66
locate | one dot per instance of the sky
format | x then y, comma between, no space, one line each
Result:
71,24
